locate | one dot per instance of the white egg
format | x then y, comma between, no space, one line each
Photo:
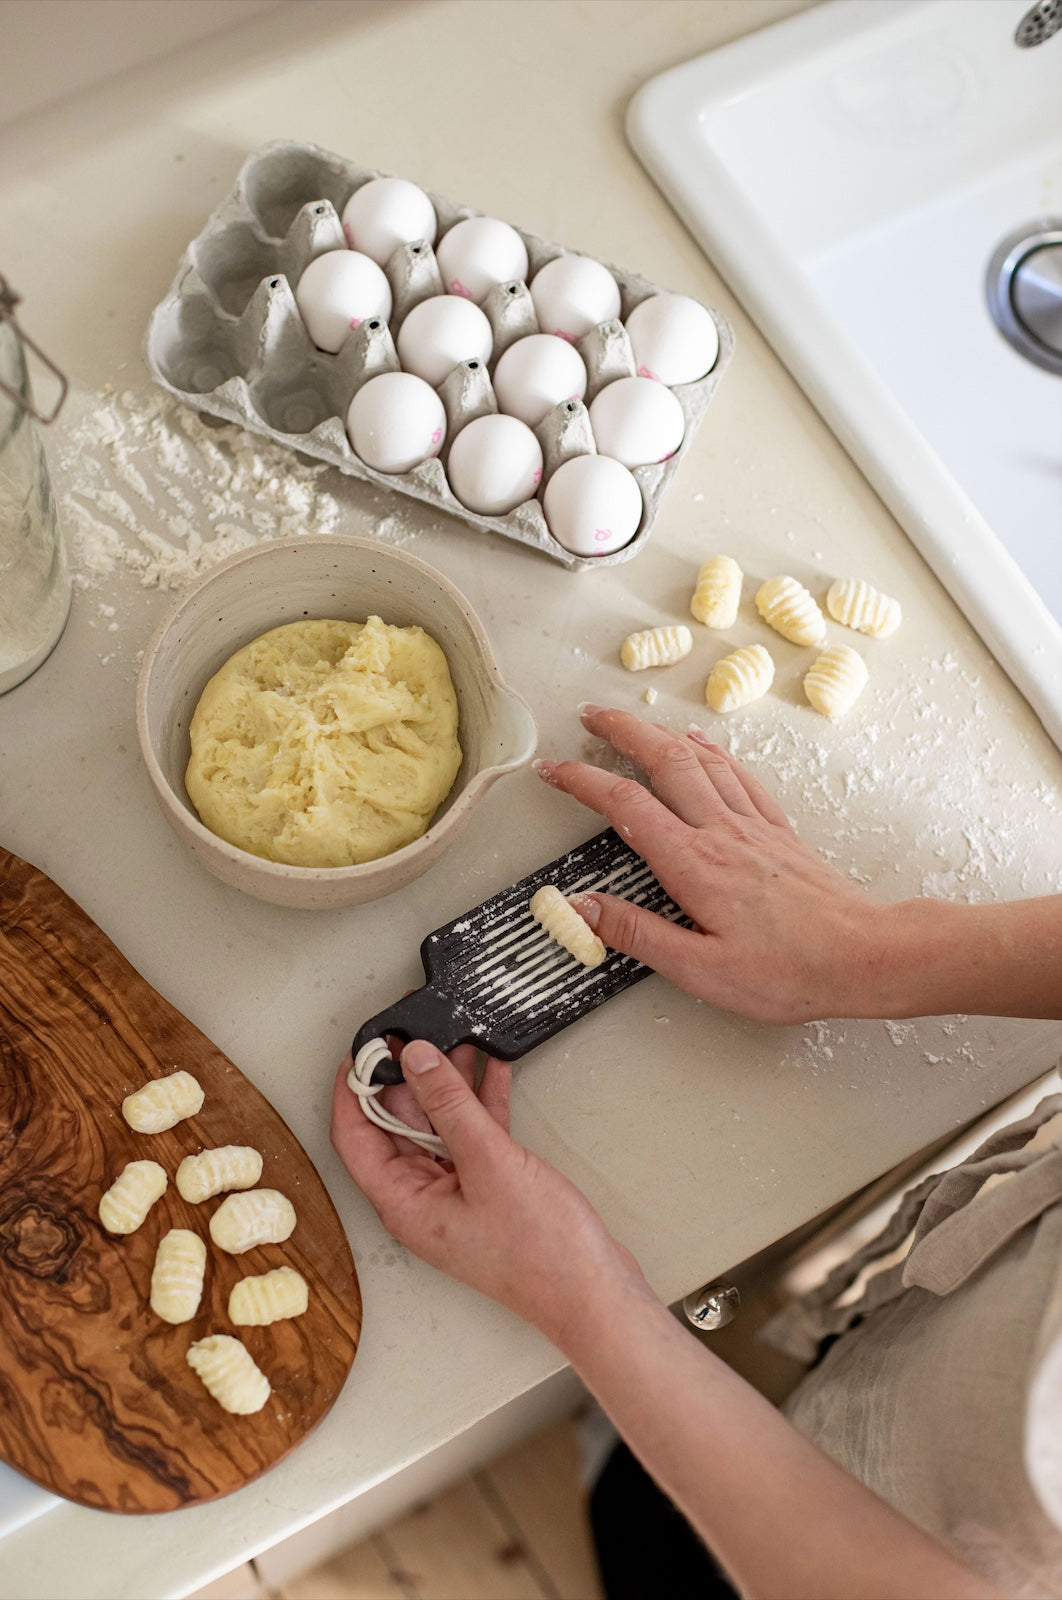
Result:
387,212
336,292
674,339
441,332
537,373
572,295
396,421
593,505
479,252
495,464
636,421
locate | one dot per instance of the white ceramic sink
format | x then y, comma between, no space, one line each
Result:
850,171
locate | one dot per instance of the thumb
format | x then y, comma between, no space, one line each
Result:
636,932
448,1102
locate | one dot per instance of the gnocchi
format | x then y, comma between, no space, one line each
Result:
177,1278
717,594
269,1297
860,606
131,1196
834,681
739,678
790,610
230,1166
256,1216
564,924
162,1103
656,647
229,1373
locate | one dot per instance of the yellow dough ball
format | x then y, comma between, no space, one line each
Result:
324,743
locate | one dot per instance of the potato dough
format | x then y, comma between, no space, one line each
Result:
131,1196
324,743
230,1166
230,1373
564,924
268,1297
253,1217
163,1103
177,1277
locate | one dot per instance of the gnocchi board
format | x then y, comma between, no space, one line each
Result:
97,1401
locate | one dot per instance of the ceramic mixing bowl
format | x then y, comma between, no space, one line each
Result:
349,579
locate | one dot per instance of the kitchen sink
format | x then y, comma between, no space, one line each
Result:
880,182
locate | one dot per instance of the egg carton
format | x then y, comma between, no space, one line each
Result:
228,339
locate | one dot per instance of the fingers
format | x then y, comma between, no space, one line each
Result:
402,1102
760,798
465,1125
643,821
367,1152
494,1090
674,952
674,769
721,775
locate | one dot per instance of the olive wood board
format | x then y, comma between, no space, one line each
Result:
97,1400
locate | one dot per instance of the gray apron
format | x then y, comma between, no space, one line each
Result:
940,1385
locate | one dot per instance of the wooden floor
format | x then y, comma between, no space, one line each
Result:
515,1530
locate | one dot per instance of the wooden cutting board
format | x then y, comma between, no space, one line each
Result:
97,1401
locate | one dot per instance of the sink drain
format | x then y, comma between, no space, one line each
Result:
1024,292
1040,22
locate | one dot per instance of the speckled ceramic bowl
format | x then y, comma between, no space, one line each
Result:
283,582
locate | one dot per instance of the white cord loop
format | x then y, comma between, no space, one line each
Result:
359,1079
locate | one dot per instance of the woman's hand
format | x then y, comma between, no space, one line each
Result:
495,1217
781,936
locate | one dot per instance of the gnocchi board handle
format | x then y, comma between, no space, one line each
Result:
495,978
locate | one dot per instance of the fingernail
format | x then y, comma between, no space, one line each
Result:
587,708
588,908
419,1057
698,735
545,769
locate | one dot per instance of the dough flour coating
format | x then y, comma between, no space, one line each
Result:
324,743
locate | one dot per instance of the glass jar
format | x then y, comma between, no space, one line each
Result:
34,575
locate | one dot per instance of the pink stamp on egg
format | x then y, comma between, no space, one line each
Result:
643,372
457,287
537,477
560,334
356,322
436,438
602,534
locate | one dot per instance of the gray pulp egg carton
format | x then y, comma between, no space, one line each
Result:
228,339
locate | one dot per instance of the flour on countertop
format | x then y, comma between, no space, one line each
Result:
150,485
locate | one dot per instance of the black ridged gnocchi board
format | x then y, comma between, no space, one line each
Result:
497,980
97,1400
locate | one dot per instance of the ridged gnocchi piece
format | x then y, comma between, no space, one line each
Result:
228,1371
177,1277
859,605
790,610
656,647
739,678
131,1196
230,1166
162,1103
717,594
564,924
256,1216
269,1297
835,680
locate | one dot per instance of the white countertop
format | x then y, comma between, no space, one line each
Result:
700,1137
